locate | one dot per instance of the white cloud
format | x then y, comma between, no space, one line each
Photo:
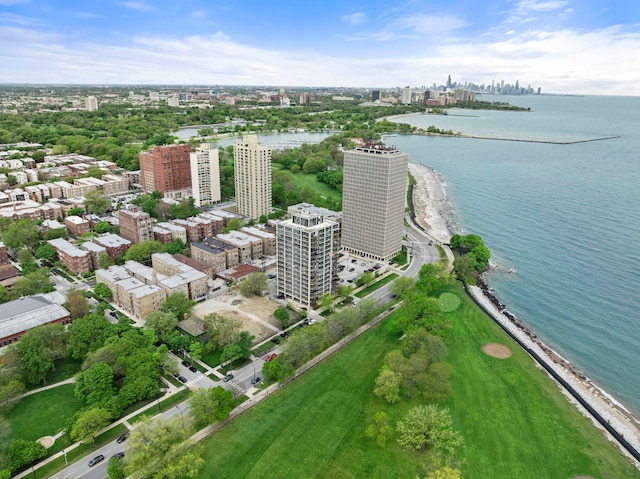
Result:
558,61
19,20
533,5
355,18
140,6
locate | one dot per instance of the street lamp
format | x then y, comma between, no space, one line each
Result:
159,408
253,363
65,456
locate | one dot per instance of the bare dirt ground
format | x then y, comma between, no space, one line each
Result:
255,313
495,350
46,441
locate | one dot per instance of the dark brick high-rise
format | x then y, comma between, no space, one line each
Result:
166,169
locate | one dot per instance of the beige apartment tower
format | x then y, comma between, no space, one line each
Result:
205,175
373,201
252,170
307,255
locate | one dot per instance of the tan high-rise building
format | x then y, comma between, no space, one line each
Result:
308,245
373,201
166,169
205,175
252,170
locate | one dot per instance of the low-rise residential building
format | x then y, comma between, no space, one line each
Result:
21,315
192,229
238,273
18,210
76,260
77,226
162,235
135,224
202,267
268,239
114,245
218,255
94,250
177,231
206,227
217,224
249,247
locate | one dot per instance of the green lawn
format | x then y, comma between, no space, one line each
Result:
309,180
377,285
43,413
515,422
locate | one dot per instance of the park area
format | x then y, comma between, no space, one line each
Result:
513,419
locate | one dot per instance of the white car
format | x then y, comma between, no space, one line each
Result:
310,321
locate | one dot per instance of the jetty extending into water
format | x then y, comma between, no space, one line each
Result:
422,131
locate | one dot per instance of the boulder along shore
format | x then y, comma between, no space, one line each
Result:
432,212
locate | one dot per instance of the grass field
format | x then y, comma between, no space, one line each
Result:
514,421
43,413
377,285
309,180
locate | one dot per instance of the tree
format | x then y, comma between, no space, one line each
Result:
34,356
233,224
230,353
444,472
282,315
401,286
88,333
32,283
388,385
326,301
157,450
9,393
365,278
175,247
77,211
46,251
89,423
380,430
161,323
53,233
21,233
96,202
178,304
115,469
271,369
210,405
254,284
12,180
22,453
245,342
105,261
141,252
102,227
428,427
184,209
77,304
95,385
102,291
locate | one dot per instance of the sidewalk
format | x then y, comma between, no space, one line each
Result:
44,388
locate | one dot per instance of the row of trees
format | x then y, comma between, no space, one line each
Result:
472,256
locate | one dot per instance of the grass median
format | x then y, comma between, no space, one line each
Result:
514,420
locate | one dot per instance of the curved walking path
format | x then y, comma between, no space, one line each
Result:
44,388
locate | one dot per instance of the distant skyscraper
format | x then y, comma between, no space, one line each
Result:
449,81
252,171
307,255
166,169
373,200
405,96
375,95
173,101
205,175
91,103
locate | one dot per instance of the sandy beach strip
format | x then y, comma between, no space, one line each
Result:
432,208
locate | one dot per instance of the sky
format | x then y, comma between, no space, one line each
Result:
561,46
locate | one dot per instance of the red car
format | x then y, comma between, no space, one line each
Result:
271,356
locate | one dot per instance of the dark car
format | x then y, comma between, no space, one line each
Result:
193,369
275,340
393,296
122,438
182,379
256,380
228,378
186,364
96,460
119,455
285,334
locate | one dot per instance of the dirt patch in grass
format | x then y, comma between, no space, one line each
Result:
46,441
496,350
255,313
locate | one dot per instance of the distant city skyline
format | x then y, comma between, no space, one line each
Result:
561,46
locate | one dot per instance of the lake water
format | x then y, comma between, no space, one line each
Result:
565,218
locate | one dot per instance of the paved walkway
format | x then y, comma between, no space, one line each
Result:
51,386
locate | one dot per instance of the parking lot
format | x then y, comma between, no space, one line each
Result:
350,268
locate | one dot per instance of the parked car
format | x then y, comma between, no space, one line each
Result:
285,334
275,340
96,460
122,438
193,369
182,379
271,356
393,296
119,454
256,380
311,321
228,377
186,364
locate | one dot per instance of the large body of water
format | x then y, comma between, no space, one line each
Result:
565,218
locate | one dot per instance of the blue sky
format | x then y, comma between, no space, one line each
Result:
562,46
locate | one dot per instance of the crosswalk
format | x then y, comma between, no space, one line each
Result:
200,381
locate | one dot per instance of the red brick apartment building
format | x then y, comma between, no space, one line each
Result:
166,169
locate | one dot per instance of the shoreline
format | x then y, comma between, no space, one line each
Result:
432,212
